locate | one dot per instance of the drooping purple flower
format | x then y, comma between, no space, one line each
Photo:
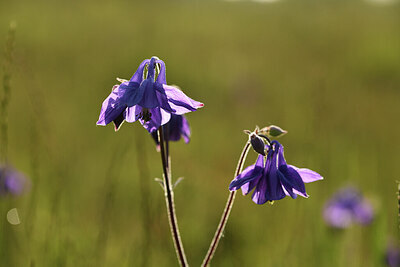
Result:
274,179
392,256
347,207
12,182
177,127
149,100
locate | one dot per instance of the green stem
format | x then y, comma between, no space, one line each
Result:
225,214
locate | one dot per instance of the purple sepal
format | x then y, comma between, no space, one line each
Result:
251,173
137,77
176,128
179,101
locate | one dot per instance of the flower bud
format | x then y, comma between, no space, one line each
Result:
273,131
257,143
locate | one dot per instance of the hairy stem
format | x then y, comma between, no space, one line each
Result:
169,199
225,214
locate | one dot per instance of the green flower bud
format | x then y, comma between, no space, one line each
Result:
273,131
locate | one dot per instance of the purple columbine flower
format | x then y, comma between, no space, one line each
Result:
149,100
177,127
11,181
274,179
346,207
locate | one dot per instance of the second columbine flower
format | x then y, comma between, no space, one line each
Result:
273,179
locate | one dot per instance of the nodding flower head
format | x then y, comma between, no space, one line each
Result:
273,179
147,99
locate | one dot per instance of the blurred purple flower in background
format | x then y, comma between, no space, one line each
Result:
275,179
149,100
346,207
12,182
392,256
177,127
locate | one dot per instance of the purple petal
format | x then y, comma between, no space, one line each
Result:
260,161
111,108
179,101
274,186
158,117
151,68
174,127
250,173
185,130
131,113
149,99
259,194
281,157
307,175
131,93
285,191
288,188
161,78
300,193
162,98
291,179
246,188
138,75
165,116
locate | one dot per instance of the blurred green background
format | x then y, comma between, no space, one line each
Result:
326,71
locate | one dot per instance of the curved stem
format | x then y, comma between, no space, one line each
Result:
225,214
169,200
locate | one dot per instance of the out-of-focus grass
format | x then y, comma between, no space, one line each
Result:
328,72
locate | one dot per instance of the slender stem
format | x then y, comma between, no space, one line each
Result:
225,214
398,203
169,199
166,138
